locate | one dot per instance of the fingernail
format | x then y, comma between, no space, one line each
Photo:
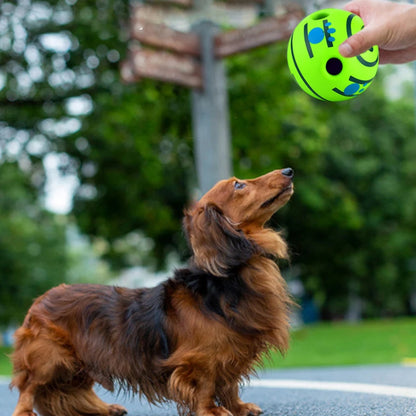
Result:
345,49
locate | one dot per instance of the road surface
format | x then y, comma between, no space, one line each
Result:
381,390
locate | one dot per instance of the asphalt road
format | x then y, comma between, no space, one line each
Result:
341,391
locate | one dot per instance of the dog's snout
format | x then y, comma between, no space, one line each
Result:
289,172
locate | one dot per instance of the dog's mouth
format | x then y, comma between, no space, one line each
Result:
288,189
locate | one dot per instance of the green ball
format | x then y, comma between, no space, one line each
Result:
318,67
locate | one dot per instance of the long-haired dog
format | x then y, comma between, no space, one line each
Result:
193,339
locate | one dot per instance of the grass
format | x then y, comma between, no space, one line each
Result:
368,342
5,364
328,344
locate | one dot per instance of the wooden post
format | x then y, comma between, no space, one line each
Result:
210,115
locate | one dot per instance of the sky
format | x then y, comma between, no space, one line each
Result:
59,188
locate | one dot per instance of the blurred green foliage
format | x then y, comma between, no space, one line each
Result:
32,245
351,223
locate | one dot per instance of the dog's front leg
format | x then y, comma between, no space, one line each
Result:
193,388
230,395
26,400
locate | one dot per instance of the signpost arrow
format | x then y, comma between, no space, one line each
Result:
161,36
162,66
267,31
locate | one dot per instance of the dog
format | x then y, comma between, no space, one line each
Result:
193,339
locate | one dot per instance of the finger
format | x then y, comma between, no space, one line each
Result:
387,57
358,43
397,57
352,7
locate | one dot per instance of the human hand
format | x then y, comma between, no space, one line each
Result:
391,26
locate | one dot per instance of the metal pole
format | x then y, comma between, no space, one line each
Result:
210,117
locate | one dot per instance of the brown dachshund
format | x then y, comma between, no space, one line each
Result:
193,339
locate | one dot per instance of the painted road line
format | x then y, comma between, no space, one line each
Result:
379,389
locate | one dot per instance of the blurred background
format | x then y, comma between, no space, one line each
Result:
95,173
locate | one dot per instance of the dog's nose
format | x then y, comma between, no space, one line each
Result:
289,172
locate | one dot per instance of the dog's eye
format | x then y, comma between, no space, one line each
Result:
239,185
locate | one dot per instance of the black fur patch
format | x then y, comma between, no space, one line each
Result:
148,313
218,294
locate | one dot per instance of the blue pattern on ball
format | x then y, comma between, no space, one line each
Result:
316,35
352,89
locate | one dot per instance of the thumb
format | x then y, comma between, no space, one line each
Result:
358,43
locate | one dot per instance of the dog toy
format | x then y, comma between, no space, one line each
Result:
318,67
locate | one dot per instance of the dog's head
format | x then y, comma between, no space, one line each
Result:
224,228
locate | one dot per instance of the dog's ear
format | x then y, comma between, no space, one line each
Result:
218,245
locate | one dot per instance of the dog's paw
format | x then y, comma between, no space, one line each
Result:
116,410
248,409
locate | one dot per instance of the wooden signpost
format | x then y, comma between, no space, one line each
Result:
162,66
267,31
194,59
